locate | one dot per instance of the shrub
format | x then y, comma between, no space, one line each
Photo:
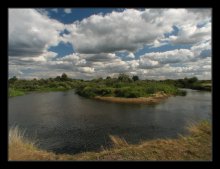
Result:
87,92
103,91
128,92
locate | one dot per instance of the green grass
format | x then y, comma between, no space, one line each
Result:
202,86
195,146
15,92
127,90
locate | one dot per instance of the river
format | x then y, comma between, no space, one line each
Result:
64,122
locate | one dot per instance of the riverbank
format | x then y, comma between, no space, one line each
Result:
154,99
15,92
195,146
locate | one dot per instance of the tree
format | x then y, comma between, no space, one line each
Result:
192,80
57,78
13,79
124,78
64,77
135,78
108,78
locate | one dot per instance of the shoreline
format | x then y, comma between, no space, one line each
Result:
194,146
155,98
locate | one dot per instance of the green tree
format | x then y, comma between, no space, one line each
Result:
58,78
192,80
108,78
13,79
135,78
64,77
124,78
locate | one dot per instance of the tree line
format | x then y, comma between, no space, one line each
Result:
123,80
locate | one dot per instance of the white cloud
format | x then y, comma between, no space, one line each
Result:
190,34
54,10
67,10
131,29
46,56
133,64
198,48
86,69
74,58
147,63
31,33
100,57
173,56
113,32
130,55
98,39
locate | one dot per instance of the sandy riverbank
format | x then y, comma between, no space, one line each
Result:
155,98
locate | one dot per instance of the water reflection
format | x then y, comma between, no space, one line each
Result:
67,123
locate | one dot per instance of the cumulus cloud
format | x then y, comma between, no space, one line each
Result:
130,55
86,69
67,10
100,57
31,33
191,34
131,29
173,56
113,32
74,58
108,44
199,49
54,10
147,63
46,56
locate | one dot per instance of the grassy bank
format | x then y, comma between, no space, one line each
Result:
126,90
14,92
196,146
191,83
18,87
19,92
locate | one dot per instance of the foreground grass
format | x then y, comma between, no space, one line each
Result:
14,92
195,146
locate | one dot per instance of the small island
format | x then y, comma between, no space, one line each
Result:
125,89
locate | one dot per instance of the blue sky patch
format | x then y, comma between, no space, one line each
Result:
173,32
62,49
164,48
78,14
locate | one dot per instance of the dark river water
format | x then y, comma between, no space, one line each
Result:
64,122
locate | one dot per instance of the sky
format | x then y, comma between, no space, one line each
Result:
88,43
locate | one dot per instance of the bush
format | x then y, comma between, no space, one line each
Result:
150,89
133,94
128,92
87,92
135,78
103,91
